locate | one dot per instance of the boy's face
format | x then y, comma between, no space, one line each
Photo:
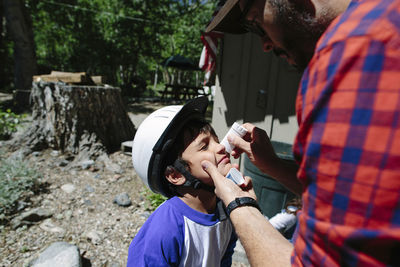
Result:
206,147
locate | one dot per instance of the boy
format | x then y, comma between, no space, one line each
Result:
188,229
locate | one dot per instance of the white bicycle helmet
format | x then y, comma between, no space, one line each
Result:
154,138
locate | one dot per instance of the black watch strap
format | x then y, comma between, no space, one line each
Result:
242,201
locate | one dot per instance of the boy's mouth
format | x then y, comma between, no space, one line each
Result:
224,159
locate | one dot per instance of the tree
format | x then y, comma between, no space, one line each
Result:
20,28
123,40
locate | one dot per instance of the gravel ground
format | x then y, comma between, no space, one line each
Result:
86,217
83,209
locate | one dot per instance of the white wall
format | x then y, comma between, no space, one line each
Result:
254,86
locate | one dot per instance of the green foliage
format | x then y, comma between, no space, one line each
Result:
154,199
123,40
8,123
17,179
24,249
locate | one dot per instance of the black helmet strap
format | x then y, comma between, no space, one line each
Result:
191,181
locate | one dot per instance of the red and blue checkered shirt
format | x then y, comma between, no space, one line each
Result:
348,144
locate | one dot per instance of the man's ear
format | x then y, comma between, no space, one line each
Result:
174,176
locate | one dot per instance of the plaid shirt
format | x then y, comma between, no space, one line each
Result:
348,144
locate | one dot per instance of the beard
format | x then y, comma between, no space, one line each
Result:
301,29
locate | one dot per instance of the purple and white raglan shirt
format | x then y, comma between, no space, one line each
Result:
177,235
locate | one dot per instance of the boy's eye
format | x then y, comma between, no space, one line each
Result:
204,147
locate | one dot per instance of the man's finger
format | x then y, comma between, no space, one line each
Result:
240,144
249,127
211,170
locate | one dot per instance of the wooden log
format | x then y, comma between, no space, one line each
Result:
66,77
86,120
99,80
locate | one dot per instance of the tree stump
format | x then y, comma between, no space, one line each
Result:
77,119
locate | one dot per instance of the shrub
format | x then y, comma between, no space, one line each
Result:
8,123
155,199
17,181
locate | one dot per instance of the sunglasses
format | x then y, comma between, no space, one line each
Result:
251,26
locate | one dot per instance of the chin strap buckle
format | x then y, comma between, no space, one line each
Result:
191,181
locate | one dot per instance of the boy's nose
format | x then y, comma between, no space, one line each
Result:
220,148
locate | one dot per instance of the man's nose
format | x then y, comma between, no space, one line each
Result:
267,48
267,44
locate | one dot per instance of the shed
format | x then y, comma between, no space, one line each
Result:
257,87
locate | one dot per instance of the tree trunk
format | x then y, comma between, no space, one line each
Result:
84,120
19,25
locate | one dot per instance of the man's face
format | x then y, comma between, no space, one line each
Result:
290,33
206,147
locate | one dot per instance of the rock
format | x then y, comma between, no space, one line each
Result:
36,153
58,254
113,167
87,164
63,163
93,236
89,188
46,202
48,226
55,153
123,200
20,154
117,176
68,188
30,217
22,205
109,165
68,214
69,157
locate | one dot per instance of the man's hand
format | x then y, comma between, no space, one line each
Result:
257,145
226,189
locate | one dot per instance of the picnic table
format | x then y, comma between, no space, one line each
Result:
182,91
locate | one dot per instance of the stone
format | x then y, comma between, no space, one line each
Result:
58,254
114,167
30,217
48,226
123,200
36,153
87,164
93,236
68,188
68,214
55,153
63,163
89,188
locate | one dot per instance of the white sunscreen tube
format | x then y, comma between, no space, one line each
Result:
236,129
235,176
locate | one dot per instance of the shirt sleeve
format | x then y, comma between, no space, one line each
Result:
157,243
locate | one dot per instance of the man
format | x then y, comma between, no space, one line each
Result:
348,144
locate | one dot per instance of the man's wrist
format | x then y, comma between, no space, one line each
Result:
241,202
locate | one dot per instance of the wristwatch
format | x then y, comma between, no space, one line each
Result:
241,201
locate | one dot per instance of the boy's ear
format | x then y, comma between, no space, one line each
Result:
173,176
